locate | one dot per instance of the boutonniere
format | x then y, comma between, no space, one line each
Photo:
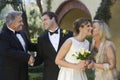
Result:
64,32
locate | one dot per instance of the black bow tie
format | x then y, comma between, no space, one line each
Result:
17,32
55,32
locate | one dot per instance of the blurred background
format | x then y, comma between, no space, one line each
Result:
67,11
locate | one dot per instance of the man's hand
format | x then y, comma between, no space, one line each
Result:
31,60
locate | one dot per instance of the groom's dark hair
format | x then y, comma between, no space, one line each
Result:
51,15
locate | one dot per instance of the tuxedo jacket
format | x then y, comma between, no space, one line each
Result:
13,58
47,54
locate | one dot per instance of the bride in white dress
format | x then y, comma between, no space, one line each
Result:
70,67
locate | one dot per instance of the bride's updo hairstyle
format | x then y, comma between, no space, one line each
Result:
80,22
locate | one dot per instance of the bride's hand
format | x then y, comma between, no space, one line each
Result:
81,65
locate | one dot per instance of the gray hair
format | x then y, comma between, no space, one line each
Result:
104,29
11,16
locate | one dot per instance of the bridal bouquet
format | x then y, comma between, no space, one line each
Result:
83,54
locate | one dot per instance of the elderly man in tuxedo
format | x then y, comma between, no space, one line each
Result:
49,44
14,45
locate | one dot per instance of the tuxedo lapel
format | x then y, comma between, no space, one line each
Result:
13,37
48,42
17,41
61,40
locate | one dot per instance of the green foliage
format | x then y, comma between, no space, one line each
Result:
48,5
34,21
39,75
86,55
89,38
83,54
90,74
35,76
36,69
103,12
36,73
16,4
2,5
1,23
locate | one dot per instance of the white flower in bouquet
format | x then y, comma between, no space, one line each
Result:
83,54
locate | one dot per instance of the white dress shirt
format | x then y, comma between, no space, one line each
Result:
21,41
54,39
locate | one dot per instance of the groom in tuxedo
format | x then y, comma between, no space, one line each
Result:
14,44
49,44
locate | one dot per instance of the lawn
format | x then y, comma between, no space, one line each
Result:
35,76
38,76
